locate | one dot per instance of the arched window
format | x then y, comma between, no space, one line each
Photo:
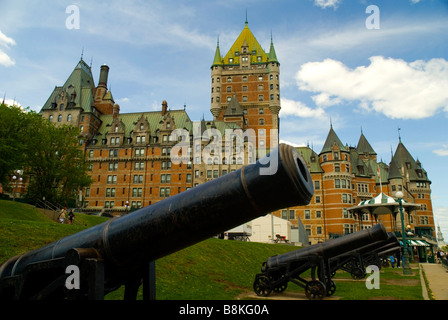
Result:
69,117
60,118
50,118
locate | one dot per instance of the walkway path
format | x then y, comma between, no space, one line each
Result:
437,277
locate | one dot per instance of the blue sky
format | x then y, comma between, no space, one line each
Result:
386,81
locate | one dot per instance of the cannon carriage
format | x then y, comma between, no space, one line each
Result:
278,271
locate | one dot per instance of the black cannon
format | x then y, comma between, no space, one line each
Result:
278,270
356,261
119,251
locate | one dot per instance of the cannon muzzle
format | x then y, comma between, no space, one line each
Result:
279,180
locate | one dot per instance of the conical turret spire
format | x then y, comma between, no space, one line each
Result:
217,61
272,55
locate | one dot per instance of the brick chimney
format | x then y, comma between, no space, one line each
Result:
116,111
104,74
164,107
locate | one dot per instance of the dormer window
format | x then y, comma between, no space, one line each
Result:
142,127
116,128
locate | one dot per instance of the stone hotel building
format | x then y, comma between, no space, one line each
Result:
130,153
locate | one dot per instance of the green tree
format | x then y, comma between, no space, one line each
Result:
14,125
56,164
49,155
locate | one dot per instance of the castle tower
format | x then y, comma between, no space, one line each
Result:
440,242
335,160
250,75
408,176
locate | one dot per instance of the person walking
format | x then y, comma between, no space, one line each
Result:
392,261
71,216
62,215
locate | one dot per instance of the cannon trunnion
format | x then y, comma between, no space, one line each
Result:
322,259
120,251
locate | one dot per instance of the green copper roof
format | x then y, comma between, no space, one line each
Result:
332,139
311,159
364,146
359,167
403,161
108,96
272,55
154,118
81,83
217,61
234,107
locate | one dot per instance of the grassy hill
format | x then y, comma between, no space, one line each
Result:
24,228
213,269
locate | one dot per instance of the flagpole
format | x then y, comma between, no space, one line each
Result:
379,178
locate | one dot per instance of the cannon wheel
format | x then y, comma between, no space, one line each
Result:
315,290
261,286
281,288
331,287
357,273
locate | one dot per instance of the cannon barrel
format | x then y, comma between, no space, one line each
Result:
372,247
334,247
186,218
390,251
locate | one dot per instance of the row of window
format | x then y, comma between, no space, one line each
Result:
260,98
244,88
164,178
135,192
111,204
244,78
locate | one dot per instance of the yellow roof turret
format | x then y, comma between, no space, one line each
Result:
246,40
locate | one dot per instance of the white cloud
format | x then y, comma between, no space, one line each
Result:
158,23
5,60
297,108
327,3
394,87
6,42
325,100
443,151
12,102
294,144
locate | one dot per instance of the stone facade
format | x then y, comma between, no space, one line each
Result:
131,154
